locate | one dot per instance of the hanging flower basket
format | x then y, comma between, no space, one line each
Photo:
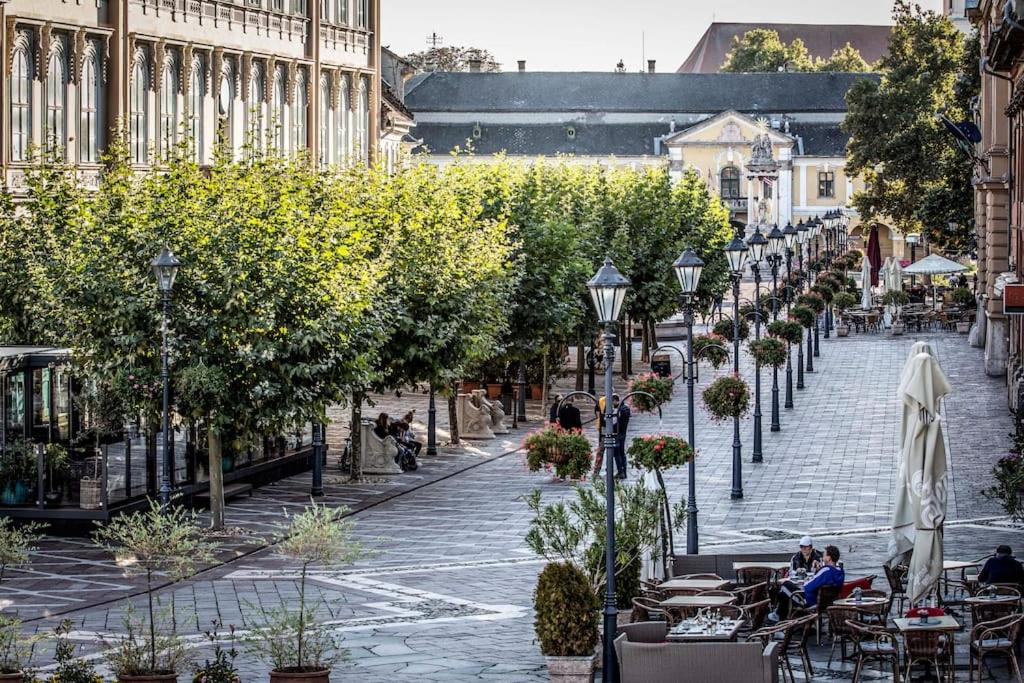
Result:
658,387
568,452
712,348
659,452
812,301
803,315
769,352
788,331
727,397
723,328
825,290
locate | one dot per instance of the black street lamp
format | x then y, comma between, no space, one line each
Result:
521,403
165,268
789,234
757,244
801,240
608,290
913,239
815,231
316,488
688,268
736,253
776,244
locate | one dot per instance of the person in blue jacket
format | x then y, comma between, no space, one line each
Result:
830,574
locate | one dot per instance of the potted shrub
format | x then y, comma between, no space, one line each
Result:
16,544
723,328
298,646
712,348
963,297
658,387
803,315
157,544
769,352
1008,488
727,397
566,622
897,299
70,669
843,301
551,446
58,465
16,652
221,669
18,473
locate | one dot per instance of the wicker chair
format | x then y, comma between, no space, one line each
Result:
647,609
710,577
731,611
782,633
896,577
927,646
996,637
838,618
748,576
803,627
755,613
748,595
873,643
876,615
981,613
720,594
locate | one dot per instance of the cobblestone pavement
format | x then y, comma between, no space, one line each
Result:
448,596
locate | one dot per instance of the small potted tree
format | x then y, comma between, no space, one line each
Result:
58,465
727,397
566,610
963,298
154,543
16,652
897,299
16,545
71,669
296,642
843,301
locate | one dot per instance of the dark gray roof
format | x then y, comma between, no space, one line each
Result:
820,139
616,92
633,139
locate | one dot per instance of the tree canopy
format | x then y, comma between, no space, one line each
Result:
762,50
913,175
452,58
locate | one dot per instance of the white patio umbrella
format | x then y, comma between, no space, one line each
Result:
865,281
921,484
918,347
934,265
896,275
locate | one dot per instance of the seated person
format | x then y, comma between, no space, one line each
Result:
408,436
807,558
382,426
792,592
1003,568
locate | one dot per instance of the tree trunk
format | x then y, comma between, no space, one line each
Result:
216,479
623,346
355,451
644,342
654,335
453,418
581,360
544,380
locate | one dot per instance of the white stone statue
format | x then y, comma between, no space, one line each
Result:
377,455
473,417
497,413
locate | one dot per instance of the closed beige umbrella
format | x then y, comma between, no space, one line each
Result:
922,481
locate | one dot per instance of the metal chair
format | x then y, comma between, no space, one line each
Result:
838,617
996,637
748,576
927,646
896,577
873,643
803,626
876,615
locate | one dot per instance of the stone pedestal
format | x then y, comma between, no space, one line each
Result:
473,417
996,351
377,455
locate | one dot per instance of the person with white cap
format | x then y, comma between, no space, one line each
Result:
807,558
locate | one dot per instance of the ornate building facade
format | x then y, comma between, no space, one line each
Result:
290,74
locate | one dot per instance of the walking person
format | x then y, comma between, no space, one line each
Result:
620,424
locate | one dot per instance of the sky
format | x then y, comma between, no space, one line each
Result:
592,35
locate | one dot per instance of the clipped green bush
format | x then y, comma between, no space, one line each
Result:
723,328
962,296
803,315
566,610
844,301
896,297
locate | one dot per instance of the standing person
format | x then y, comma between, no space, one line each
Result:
620,424
569,416
599,457
553,412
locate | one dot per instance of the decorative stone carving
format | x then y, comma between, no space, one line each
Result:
473,417
271,76
246,75
78,55
353,91
335,88
185,73
45,41
377,455
159,59
496,410
293,78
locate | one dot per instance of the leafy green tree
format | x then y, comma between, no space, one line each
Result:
762,50
913,175
452,58
844,59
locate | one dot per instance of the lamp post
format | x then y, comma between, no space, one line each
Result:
801,239
736,253
165,268
776,243
757,244
815,232
789,235
431,424
608,290
688,268
316,488
521,403
913,239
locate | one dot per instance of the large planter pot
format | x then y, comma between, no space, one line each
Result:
843,330
12,678
493,391
898,329
322,676
571,669
14,493
963,328
469,387
149,678
536,392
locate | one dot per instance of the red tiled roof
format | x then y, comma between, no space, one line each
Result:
821,40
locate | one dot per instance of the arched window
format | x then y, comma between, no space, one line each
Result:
226,106
300,110
257,97
169,107
278,109
730,183
90,100
196,98
344,129
325,122
362,12
55,125
364,122
21,102
140,109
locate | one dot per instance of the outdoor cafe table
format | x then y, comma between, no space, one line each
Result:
943,623
989,599
693,585
684,633
777,566
863,602
699,601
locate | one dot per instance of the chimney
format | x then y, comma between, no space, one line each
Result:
522,66
474,66
650,66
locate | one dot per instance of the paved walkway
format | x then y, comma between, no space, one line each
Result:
448,597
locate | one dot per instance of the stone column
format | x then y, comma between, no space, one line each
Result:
996,261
